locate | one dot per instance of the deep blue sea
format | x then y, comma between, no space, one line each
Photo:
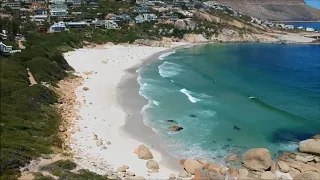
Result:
231,97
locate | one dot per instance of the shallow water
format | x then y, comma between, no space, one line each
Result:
231,97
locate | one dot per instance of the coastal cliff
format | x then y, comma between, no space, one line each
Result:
284,10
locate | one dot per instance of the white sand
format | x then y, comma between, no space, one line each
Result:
101,115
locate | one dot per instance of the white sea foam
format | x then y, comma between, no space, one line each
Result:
161,57
169,69
189,95
156,103
252,97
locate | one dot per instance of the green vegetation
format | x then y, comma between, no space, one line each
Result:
29,122
63,168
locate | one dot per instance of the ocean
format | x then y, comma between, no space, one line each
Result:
232,97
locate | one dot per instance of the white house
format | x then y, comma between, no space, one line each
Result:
4,48
186,13
300,27
58,10
57,1
310,29
289,26
110,24
3,35
58,27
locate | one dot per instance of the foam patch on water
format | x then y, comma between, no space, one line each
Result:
156,103
169,69
161,57
189,95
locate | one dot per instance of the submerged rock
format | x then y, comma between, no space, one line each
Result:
171,121
176,128
258,159
233,158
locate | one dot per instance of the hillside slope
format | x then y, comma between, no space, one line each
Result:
280,10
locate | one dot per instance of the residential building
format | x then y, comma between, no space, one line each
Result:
4,48
58,10
289,27
139,19
168,16
75,2
57,1
23,12
12,5
186,13
310,29
141,10
37,5
145,17
3,35
300,27
58,27
150,17
78,25
109,24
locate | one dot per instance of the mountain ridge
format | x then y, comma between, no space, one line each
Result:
275,10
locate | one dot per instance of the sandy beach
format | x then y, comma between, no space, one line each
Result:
110,126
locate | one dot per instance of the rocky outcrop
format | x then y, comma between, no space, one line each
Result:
191,164
185,24
176,128
152,164
310,146
144,152
194,38
307,176
233,158
122,168
283,167
153,43
268,175
203,16
257,159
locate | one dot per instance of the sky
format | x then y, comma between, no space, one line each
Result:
313,3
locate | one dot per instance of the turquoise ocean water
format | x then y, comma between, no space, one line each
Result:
231,97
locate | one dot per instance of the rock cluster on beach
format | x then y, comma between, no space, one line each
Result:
258,164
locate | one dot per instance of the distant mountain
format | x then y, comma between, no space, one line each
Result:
281,10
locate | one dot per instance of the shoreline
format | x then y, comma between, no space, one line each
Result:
135,118
101,131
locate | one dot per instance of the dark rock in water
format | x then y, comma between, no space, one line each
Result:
171,121
229,139
236,128
214,141
192,115
176,128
